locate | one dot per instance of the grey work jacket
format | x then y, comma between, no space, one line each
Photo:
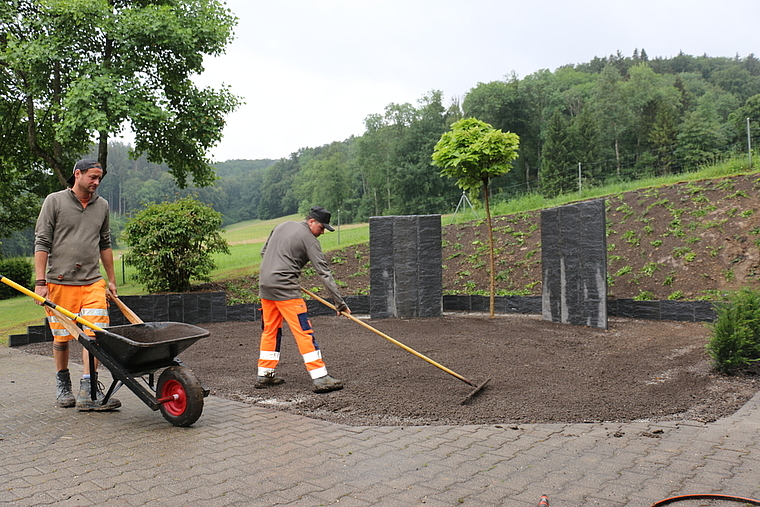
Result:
73,237
289,247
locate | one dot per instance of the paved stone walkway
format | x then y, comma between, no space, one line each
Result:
240,455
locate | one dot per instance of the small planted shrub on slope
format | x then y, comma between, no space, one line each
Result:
735,340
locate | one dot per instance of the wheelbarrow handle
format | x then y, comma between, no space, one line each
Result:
49,303
127,311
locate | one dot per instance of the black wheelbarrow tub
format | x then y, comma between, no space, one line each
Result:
148,346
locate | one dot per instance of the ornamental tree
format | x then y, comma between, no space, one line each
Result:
74,73
474,152
172,243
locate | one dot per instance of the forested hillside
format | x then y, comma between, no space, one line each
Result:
613,118
618,117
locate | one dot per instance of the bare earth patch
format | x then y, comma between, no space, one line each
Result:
688,240
542,372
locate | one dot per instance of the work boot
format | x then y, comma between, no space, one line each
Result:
267,381
326,384
65,397
85,401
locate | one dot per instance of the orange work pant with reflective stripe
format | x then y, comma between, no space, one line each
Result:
293,311
87,301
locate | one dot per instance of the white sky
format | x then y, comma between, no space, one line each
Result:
311,71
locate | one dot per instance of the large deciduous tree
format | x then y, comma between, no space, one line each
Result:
78,72
474,152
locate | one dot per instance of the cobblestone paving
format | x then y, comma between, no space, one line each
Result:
239,455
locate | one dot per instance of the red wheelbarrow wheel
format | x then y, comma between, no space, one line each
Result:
184,393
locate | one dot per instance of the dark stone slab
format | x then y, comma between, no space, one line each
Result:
647,310
245,312
218,307
704,311
36,334
406,269
480,303
358,304
315,308
530,305
676,310
17,340
626,308
382,269
143,306
190,309
456,303
175,307
160,307
205,302
573,255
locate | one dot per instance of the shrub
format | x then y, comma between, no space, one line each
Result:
172,243
735,340
20,271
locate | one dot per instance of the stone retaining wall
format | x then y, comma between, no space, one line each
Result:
205,307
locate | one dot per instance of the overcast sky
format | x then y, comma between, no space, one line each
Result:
311,71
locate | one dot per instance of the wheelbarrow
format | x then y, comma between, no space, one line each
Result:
134,353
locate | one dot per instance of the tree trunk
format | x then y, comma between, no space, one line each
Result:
491,275
103,149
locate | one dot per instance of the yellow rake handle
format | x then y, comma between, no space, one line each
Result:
393,341
50,304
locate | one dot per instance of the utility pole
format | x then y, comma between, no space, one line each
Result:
749,145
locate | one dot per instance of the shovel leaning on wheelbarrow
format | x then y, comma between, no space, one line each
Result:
478,388
135,351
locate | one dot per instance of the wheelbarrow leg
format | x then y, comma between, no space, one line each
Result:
93,378
115,386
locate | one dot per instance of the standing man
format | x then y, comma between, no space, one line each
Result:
289,247
72,237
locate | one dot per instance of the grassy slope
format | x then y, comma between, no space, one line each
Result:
247,238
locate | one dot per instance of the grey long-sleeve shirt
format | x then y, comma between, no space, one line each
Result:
73,237
289,247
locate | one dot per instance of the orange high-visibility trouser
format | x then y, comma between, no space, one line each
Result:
294,313
87,301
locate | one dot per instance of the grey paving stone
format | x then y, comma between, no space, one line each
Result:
241,455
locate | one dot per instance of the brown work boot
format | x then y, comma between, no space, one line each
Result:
267,381
326,384
85,402
65,397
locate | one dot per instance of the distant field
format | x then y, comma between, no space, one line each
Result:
247,238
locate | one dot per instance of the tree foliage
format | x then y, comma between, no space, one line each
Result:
474,152
557,174
622,118
172,243
77,72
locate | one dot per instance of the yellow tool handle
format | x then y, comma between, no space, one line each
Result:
49,303
392,340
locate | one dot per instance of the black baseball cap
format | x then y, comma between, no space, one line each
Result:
83,165
321,215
